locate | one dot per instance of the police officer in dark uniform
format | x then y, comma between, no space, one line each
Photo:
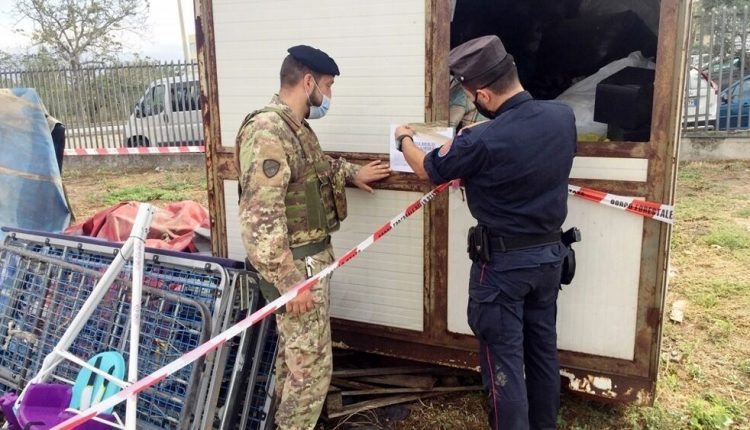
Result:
515,168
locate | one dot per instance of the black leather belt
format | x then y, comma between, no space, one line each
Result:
502,244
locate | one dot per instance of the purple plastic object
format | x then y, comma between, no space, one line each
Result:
44,406
42,403
7,401
89,425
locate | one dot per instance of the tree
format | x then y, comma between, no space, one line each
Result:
29,60
82,31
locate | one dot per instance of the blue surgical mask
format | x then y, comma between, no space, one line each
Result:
319,111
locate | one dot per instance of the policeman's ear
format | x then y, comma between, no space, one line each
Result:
483,96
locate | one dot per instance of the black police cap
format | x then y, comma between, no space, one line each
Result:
480,62
315,59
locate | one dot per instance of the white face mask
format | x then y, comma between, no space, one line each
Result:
319,111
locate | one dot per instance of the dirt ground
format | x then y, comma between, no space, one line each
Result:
704,378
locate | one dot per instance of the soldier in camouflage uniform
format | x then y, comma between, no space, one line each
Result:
292,198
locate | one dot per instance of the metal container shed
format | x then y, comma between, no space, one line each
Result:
407,296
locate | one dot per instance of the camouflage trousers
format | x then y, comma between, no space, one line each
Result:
304,361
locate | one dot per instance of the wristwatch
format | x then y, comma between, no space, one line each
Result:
400,139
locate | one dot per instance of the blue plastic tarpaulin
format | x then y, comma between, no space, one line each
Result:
31,192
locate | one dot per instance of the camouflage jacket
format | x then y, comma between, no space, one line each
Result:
272,152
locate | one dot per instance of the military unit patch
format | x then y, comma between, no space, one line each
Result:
271,168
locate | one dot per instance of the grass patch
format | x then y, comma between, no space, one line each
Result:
711,413
597,414
688,173
729,236
652,418
743,213
687,348
729,289
697,373
701,207
706,300
171,187
672,381
709,294
171,192
721,329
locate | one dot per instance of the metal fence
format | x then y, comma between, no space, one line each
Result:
717,84
143,104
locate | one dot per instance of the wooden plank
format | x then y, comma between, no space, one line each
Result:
437,109
381,391
379,371
614,149
379,403
343,383
408,381
206,54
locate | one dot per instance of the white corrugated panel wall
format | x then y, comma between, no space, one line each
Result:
379,46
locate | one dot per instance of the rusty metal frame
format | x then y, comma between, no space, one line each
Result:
631,380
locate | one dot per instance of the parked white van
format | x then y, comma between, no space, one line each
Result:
169,113
701,100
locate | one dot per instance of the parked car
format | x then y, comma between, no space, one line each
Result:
169,113
734,110
725,72
701,100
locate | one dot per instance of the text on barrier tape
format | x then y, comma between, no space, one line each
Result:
652,210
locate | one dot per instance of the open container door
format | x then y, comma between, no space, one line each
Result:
406,296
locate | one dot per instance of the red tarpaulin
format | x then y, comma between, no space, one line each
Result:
182,226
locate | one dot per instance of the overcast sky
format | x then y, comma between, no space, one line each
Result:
161,39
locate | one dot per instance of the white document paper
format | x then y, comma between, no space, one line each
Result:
425,140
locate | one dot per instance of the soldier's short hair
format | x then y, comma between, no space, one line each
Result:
292,71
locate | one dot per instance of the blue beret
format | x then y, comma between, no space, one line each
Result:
315,59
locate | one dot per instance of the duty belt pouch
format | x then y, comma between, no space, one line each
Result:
479,244
329,203
569,263
316,214
267,289
327,194
568,267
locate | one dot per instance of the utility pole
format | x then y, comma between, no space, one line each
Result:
185,49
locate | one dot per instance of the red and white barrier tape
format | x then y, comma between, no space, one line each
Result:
652,210
138,150
249,321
